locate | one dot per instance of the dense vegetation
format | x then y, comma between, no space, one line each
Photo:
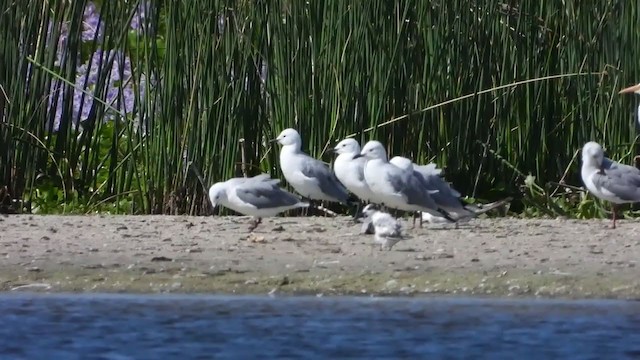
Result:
138,106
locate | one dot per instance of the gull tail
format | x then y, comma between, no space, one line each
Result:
483,208
447,216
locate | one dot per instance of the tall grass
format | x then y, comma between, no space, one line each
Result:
193,87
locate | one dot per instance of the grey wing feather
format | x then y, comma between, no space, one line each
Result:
617,170
266,178
429,169
625,187
265,195
412,189
446,196
327,180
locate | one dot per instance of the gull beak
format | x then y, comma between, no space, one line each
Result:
272,141
358,156
630,89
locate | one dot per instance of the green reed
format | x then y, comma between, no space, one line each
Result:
214,80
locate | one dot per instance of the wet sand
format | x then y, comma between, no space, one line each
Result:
317,255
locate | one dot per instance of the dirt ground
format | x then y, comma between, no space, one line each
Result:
318,255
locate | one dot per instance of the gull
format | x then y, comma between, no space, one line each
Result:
636,90
446,197
607,179
350,171
387,229
310,177
395,187
258,196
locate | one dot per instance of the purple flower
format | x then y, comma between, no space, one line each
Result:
92,26
121,94
61,41
140,16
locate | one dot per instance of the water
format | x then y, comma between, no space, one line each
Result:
203,327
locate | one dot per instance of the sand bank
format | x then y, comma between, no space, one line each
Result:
317,255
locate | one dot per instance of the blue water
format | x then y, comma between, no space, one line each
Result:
204,327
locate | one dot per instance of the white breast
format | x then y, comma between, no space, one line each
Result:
350,173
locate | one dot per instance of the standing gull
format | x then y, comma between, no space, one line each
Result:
395,187
636,90
310,177
350,171
443,194
258,196
607,179
387,229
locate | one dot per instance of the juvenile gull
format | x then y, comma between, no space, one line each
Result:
310,177
258,196
443,194
387,229
607,179
350,171
395,187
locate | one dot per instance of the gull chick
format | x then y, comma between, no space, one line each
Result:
387,229
309,177
258,196
607,179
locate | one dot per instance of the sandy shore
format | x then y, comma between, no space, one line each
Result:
485,257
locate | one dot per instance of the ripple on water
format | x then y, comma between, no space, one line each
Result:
170,326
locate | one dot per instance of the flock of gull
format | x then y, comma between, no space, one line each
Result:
366,173
398,184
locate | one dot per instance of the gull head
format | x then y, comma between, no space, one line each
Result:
373,150
217,193
592,154
347,146
631,89
402,162
289,137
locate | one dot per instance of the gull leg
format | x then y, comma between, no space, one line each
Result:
383,207
613,212
254,224
357,212
311,205
420,215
